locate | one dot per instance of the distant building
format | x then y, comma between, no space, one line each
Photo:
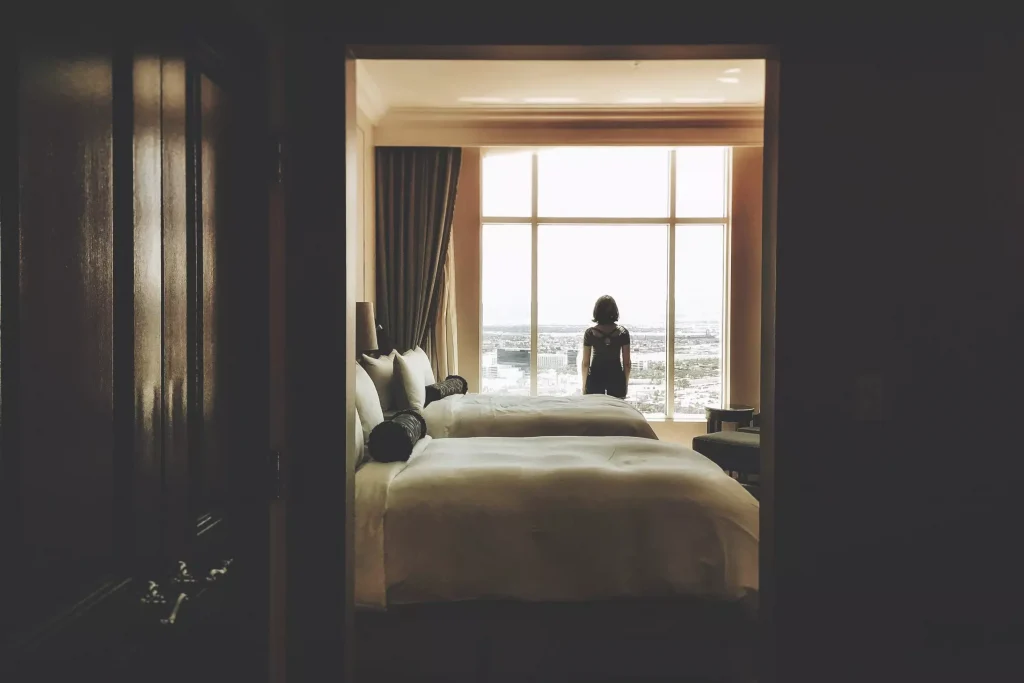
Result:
551,361
519,358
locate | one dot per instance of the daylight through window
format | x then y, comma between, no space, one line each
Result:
648,225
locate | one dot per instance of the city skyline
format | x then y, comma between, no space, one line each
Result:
507,356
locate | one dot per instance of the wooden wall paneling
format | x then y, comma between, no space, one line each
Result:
176,384
65,359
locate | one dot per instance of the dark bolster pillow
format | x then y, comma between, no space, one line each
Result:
393,440
452,384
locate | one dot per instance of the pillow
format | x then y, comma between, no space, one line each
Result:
452,384
409,379
422,362
382,372
394,440
367,401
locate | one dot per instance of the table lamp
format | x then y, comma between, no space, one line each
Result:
366,328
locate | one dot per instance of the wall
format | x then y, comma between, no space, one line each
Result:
745,277
745,286
366,234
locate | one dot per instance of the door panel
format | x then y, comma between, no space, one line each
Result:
213,201
63,438
176,385
146,297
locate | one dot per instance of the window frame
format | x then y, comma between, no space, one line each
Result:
672,222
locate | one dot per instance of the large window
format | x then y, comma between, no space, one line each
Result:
648,225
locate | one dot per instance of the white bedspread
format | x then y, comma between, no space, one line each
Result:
552,519
488,415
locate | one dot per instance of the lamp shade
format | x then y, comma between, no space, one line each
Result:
366,327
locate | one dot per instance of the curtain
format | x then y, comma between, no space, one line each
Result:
444,342
416,189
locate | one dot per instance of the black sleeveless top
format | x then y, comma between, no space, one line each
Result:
605,345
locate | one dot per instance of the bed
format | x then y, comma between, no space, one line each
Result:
472,415
475,548
398,381
551,519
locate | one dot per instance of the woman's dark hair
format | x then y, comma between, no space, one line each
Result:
606,312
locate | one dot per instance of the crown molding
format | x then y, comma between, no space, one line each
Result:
564,52
368,96
596,116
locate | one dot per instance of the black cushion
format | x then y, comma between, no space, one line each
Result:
452,384
732,451
394,439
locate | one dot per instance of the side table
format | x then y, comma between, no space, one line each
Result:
741,415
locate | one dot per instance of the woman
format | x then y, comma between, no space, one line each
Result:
605,363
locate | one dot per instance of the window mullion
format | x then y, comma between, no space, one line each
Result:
534,350
670,314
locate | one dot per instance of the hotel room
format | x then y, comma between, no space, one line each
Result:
497,200
179,502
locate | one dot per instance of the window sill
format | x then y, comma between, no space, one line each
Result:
693,419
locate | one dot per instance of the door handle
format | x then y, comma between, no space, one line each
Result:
174,612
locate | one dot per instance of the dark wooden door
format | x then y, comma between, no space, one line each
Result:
133,340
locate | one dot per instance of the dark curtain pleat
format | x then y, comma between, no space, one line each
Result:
416,188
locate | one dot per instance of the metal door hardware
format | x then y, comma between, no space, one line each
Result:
153,596
218,572
183,576
174,612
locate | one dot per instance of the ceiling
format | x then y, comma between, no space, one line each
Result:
444,84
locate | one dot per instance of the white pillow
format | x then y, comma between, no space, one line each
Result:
422,362
382,372
409,375
367,401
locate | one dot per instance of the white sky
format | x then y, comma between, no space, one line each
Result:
578,263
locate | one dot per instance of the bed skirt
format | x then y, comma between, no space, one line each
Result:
498,642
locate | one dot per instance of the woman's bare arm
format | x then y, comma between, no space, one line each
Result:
584,368
626,363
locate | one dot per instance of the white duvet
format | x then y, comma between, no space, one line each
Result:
489,415
551,519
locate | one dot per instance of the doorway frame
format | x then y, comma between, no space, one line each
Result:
342,630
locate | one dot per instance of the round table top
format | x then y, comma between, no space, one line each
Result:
730,411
